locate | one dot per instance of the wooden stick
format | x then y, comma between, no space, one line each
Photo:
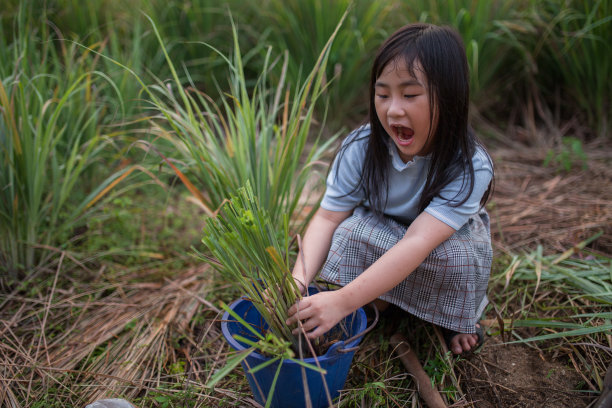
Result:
430,395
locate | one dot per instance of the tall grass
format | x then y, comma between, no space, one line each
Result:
253,253
50,116
521,54
303,29
262,136
479,23
124,30
559,60
573,52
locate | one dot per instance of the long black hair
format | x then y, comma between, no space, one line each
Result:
440,54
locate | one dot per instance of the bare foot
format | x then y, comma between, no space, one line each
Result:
463,342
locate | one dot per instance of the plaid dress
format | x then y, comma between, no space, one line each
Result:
448,289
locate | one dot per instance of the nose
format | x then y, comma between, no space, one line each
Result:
395,108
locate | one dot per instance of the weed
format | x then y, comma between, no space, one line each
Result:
569,154
436,369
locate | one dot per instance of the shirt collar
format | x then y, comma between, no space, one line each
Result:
397,162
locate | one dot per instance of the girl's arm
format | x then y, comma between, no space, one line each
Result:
322,311
316,244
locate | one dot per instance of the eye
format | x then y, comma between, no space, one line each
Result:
382,96
409,96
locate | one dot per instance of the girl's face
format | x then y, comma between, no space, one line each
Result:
402,106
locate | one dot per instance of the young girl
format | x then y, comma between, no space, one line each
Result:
402,218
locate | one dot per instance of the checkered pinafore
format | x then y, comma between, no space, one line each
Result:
448,289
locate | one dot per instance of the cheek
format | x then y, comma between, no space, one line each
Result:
380,111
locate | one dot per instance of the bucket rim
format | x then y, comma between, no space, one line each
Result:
335,349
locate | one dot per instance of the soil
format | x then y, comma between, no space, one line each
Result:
538,205
510,375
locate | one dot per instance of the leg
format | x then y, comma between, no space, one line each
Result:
448,289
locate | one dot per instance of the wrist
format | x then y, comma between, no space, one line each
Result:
300,284
348,300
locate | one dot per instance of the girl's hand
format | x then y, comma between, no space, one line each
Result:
318,313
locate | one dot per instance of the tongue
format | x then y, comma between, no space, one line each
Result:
404,133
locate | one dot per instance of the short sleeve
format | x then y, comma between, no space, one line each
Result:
442,207
343,192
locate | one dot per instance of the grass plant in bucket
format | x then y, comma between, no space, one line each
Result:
283,370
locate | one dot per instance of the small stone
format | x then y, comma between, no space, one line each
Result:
110,403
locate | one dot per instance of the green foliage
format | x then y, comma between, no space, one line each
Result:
576,49
277,348
570,154
561,52
73,73
588,279
261,137
253,253
303,28
374,393
169,397
377,381
51,112
437,368
48,401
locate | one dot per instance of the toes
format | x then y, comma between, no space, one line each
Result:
457,344
463,343
457,349
472,339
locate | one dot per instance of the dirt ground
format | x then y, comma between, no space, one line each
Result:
513,375
538,205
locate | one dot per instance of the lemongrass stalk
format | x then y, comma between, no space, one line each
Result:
250,253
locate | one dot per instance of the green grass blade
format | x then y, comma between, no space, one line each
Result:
570,333
230,364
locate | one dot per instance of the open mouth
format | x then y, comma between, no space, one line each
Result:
403,134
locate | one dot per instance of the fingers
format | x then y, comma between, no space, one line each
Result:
306,325
311,328
305,316
298,311
316,314
319,331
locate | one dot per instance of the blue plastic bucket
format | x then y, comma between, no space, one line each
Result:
289,391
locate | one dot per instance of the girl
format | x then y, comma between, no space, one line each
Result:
402,218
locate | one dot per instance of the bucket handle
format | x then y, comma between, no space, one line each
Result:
363,333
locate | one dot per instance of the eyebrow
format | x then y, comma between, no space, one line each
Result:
410,82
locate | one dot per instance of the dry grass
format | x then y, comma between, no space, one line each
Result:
533,204
73,340
97,341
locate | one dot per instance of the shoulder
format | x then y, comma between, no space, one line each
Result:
358,137
481,160
354,146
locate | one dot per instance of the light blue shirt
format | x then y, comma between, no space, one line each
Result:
406,184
